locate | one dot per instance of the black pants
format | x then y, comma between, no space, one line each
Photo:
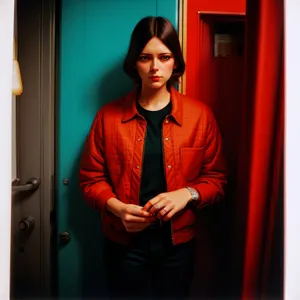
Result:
150,268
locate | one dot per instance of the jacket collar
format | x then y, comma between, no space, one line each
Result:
130,111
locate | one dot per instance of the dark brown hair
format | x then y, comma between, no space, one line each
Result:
144,31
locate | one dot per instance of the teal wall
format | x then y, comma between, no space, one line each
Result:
94,36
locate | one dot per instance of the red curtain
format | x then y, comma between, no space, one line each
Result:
261,160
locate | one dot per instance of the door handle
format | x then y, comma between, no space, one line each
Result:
27,224
31,185
64,237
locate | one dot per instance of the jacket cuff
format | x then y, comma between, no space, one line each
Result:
206,195
104,197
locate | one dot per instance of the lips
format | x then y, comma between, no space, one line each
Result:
155,78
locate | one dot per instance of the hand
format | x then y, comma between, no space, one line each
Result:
134,218
166,205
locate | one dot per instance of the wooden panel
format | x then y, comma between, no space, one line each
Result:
31,252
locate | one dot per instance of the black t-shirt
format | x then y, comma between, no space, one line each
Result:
153,180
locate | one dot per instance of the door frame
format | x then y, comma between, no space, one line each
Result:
41,43
6,56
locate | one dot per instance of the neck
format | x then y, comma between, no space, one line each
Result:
154,99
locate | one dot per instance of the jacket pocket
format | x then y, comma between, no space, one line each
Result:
191,162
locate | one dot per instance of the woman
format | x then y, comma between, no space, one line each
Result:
151,158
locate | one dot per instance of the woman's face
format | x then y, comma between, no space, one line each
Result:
155,64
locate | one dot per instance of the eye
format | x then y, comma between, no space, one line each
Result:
165,57
143,58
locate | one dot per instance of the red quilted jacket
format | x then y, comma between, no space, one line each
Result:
112,160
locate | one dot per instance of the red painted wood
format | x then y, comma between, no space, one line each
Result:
215,81
193,35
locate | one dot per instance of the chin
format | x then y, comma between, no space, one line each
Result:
156,85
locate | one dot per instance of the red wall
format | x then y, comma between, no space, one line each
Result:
219,83
193,6
216,81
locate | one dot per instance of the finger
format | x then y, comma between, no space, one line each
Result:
137,219
138,211
164,211
151,202
169,215
133,227
154,210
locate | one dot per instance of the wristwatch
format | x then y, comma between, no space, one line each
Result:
194,193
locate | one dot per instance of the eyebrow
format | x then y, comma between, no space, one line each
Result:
143,53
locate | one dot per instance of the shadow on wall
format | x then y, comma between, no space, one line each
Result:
84,222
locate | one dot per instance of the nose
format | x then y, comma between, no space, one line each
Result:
154,65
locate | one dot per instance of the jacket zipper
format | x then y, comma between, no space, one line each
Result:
163,156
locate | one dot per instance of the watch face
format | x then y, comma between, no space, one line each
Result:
195,195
